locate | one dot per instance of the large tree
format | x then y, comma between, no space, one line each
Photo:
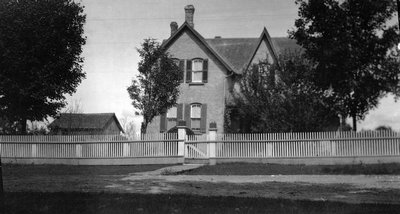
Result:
156,88
281,98
349,41
40,47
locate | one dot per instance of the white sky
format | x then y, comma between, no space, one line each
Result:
115,28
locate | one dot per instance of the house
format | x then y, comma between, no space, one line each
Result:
211,67
86,124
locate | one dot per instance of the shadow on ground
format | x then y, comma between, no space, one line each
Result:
74,202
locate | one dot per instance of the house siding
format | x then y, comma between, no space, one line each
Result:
212,93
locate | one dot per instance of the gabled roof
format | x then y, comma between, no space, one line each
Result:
186,26
263,37
237,53
85,121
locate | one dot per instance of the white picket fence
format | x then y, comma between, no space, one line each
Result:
213,146
295,145
89,146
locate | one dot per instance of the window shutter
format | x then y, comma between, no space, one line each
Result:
179,112
188,70
203,121
187,115
205,70
163,122
182,69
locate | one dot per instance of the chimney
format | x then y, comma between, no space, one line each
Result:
174,27
189,11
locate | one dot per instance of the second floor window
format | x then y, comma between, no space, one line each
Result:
197,70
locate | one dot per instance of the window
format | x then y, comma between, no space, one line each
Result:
171,118
195,116
197,70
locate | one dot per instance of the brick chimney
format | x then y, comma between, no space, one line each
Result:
189,12
174,27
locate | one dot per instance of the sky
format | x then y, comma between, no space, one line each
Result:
115,28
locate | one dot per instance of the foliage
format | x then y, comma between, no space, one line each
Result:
128,125
74,107
37,128
280,98
40,47
383,128
156,88
349,41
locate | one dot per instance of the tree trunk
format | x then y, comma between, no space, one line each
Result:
23,126
143,127
354,123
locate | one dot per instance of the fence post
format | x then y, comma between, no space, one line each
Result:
212,138
181,136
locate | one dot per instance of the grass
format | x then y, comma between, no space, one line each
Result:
14,170
73,202
278,169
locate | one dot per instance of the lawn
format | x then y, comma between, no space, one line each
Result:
15,170
278,169
86,189
73,202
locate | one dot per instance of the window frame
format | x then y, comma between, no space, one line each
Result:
193,71
193,118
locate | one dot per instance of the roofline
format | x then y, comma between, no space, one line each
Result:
112,117
269,43
184,26
116,121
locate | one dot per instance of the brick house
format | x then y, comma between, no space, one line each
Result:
86,124
210,68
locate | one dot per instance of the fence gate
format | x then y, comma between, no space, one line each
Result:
196,149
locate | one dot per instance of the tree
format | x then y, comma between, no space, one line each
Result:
128,125
280,98
156,88
74,107
349,41
40,47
